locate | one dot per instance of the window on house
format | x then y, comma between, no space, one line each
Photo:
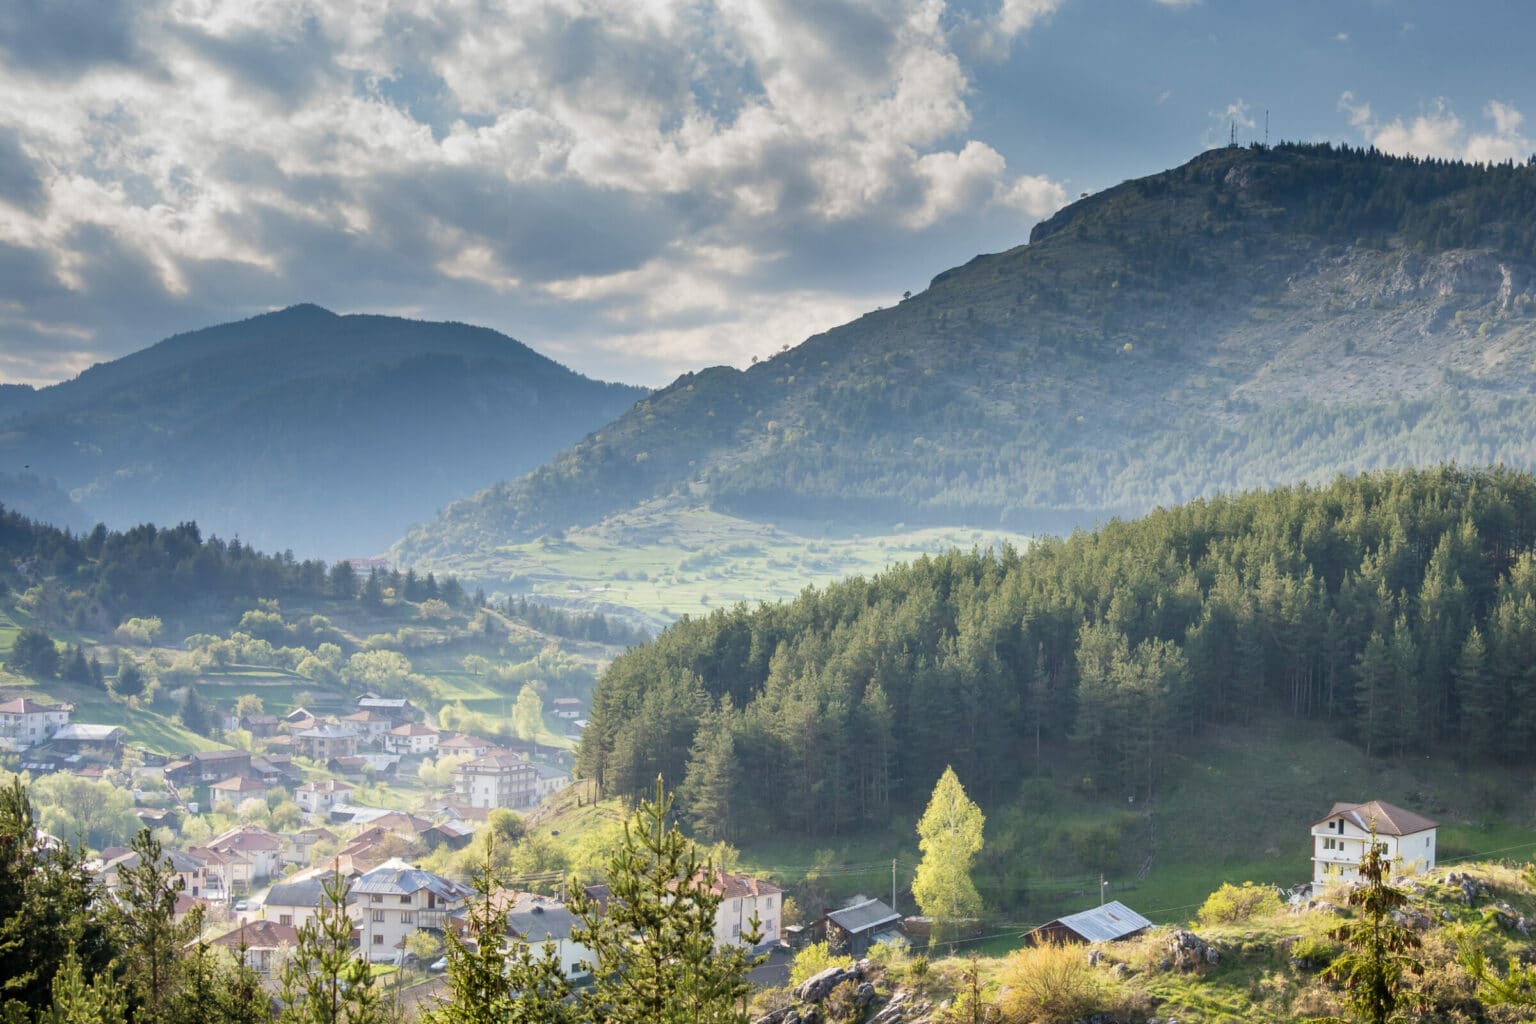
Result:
377,898
406,917
378,940
378,917
406,900
285,919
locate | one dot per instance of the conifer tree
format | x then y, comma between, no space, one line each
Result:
1379,951
653,944
491,984
76,1000
49,907
708,790
143,921
218,988
1478,697
324,981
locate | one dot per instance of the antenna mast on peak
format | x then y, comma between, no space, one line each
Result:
1266,127
1232,132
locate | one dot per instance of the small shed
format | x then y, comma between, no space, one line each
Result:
1109,923
853,930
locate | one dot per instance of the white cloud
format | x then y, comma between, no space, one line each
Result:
278,150
1439,132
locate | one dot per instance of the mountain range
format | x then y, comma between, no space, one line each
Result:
303,430
1258,316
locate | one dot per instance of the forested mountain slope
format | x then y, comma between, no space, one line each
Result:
1257,316
1397,609
300,429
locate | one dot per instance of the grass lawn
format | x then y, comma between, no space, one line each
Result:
144,727
665,561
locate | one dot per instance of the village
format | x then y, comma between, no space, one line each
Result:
254,887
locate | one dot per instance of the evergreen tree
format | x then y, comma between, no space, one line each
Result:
1379,951
324,981
372,594
342,581
490,984
33,654
129,681
1477,694
708,793
195,713
1373,695
653,947
76,669
49,908
78,1001
218,988
143,923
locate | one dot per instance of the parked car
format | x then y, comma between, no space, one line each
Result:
440,964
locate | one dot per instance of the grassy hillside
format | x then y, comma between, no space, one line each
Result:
1254,317
1266,966
1236,807
667,559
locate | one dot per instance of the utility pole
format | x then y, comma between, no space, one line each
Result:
893,883
1102,886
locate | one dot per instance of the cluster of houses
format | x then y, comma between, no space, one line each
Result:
376,740
393,900
263,886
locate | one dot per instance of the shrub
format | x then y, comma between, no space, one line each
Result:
1232,903
140,632
1313,952
814,959
1051,984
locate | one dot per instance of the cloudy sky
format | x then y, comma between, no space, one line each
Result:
639,187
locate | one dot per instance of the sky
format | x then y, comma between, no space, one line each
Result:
638,188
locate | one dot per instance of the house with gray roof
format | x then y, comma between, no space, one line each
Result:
536,919
395,900
1108,923
854,929
296,903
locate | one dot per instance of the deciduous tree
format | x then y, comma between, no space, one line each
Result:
950,836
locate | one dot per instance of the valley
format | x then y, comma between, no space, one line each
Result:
1204,511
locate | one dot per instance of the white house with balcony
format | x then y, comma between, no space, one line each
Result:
1339,840
498,779
26,723
394,901
411,738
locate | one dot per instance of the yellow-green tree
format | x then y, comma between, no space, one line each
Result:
950,836
528,713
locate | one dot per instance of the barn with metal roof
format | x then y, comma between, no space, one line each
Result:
1109,923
